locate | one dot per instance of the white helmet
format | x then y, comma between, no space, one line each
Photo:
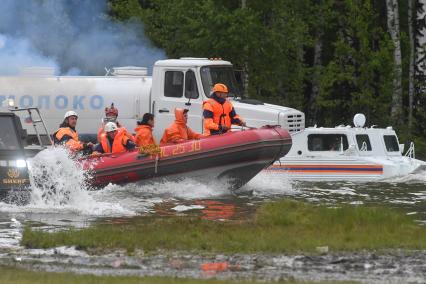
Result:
70,113
110,126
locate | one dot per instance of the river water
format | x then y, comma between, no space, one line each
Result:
62,200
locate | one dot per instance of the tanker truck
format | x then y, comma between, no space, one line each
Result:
184,83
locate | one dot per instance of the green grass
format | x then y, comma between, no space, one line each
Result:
278,227
9,275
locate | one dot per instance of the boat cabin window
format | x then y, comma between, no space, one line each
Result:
191,90
327,142
173,84
391,143
363,142
8,138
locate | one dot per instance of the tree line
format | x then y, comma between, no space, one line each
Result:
328,58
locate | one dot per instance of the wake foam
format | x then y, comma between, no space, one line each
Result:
417,177
270,183
186,188
58,183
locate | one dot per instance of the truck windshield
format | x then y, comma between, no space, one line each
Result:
211,75
8,137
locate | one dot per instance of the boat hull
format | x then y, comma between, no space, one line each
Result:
234,158
348,169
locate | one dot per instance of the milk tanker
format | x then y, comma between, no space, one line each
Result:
184,83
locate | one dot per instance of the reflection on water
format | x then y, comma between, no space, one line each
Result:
231,208
216,210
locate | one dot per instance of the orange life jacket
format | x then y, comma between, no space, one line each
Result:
73,144
101,131
118,145
144,136
221,115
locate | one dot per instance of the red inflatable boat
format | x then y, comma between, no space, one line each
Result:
236,157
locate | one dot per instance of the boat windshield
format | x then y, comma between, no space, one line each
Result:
8,138
211,75
391,143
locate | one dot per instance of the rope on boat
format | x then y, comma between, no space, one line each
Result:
156,164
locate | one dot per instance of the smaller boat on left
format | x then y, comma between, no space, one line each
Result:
14,152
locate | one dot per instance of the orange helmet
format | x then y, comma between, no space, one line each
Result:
219,87
111,111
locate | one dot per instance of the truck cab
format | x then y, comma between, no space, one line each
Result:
187,83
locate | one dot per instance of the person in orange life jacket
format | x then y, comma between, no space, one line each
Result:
219,113
111,114
114,140
68,136
178,131
143,131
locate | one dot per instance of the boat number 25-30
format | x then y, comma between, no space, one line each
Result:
180,149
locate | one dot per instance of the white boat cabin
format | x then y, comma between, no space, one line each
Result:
347,153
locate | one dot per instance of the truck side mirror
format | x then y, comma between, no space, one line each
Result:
193,95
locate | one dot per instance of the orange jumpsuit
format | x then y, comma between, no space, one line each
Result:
178,131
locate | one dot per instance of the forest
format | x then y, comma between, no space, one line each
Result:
328,58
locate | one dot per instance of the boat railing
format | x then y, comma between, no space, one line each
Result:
364,147
38,119
411,152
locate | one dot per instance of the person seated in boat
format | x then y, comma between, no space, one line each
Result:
178,131
143,136
335,145
317,144
114,140
67,135
219,113
111,115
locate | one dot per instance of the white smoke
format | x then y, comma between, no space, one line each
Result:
16,53
73,36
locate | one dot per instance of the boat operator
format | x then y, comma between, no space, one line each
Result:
111,115
68,136
178,131
114,140
219,113
143,136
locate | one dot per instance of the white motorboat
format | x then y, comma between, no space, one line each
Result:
348,153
